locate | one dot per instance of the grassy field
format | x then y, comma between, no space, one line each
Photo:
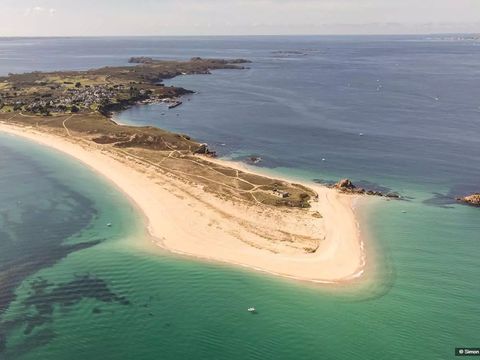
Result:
169,153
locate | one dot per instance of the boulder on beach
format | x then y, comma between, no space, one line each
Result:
345,184
204,150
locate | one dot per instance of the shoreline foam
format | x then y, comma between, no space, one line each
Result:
186,220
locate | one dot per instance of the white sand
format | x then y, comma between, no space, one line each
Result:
185,219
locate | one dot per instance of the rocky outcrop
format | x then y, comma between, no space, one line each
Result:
253,159
347,186
140,60
223,61
204,150
473,199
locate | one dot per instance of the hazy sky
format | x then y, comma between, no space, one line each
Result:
235,17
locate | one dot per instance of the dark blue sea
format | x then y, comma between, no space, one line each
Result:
395,113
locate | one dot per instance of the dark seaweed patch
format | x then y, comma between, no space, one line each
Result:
96,310
37,340
324,182
45,296
37,214
34,223
450,198
440,200
266,162
371,186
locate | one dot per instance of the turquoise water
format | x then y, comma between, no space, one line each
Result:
74,288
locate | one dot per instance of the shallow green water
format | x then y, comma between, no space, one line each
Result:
122,299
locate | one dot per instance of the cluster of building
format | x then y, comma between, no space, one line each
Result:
89,95
82,97
75,99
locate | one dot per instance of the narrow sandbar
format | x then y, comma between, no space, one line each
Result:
321,244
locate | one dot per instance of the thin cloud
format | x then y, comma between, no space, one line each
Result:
38,10
238,17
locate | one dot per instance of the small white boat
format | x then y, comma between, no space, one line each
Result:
109,224
252,310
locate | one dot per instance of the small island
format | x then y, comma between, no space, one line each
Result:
473,199
195,204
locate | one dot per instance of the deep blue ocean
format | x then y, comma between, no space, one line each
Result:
396,112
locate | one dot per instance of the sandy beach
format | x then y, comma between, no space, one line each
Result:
185,219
